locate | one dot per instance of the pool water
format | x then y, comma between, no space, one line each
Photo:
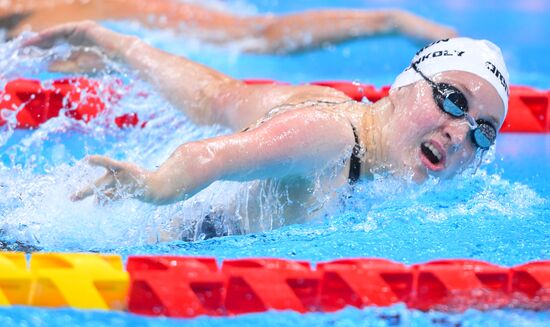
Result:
499,214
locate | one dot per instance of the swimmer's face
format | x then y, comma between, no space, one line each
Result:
427,141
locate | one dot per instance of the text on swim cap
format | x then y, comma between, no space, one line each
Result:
429,45
498,75
441,53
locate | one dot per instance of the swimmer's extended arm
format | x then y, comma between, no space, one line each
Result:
273,34
205,95
298,143
294,32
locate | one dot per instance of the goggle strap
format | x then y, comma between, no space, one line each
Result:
432,83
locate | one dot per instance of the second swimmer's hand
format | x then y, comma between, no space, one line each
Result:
92,41
420,28
122,180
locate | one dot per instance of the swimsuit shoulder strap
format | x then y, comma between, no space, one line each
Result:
355,160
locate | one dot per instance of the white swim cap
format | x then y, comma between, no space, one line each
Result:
480,57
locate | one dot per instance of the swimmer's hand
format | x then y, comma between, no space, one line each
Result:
121,180
93,43
418,27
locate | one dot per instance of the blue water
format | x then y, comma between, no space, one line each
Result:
500,214
518,27
393,316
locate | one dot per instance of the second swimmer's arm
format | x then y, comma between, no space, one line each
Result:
308,29
188,85
205,95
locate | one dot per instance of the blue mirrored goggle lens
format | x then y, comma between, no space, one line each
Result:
453,102
484,135
451,108
450,99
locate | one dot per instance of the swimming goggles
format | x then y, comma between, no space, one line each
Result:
453,102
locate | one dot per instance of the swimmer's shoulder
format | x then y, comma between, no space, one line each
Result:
318,93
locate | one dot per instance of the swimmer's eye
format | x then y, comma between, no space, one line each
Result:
454,103
450,99
484,135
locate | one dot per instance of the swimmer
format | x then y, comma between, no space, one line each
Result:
442,110
268,33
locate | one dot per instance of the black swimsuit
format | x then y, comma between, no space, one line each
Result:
355,160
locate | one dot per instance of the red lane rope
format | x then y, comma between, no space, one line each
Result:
190,286
177,286
83,99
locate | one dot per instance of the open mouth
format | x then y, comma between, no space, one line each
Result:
433,157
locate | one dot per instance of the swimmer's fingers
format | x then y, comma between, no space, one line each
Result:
107,196
111,194
48,37
65,67
80,61
421,28
76,33
105,181
114,192
82,194
106,162
122,180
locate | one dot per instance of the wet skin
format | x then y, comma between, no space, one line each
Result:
418,119
308,145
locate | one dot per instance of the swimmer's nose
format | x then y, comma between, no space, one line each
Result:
456,132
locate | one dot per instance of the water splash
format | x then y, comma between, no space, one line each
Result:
40,169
